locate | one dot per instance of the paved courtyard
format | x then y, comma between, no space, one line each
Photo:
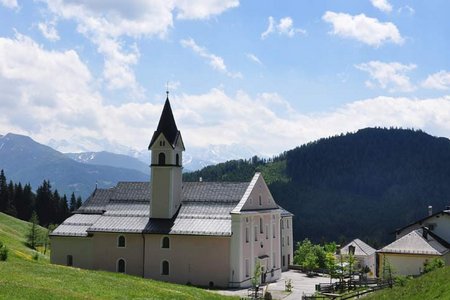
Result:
300,283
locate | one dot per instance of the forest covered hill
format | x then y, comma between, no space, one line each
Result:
364,184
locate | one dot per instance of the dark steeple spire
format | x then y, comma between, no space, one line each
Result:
166,125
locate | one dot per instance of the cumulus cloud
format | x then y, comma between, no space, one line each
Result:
362,28
216,62
9,4
382,5
391,76
108,24
203,9
49,31
51,95
438,81
285,26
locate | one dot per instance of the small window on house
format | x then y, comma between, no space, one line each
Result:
165,242
177,159
260,225
246,234
287,223
273,260
287,238
289,259
273,231
165,267
267,231
247,268
282,241
256,233
121,241
282,224
121,266
161,159
284,262
246,220
260,200
69,260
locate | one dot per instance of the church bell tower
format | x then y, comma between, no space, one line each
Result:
166,149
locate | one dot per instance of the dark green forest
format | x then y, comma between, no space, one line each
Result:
20,202
364,184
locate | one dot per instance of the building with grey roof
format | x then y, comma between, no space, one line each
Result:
418,242
200,233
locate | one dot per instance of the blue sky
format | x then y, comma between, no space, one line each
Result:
268,75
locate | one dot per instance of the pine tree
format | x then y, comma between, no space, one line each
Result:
79,202
3,192
44,207
63,209
10,205
32,237
73,202
28,200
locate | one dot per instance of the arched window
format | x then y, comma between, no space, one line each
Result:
121,241
161,159
121,266
260,200
69,260
165,267
177,159
165,242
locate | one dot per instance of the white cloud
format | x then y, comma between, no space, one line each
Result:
50,95
407,9
108,23
203,9
49,31
391,76
254,58
362,28
382,5
216,62
438,81
9,4
284,27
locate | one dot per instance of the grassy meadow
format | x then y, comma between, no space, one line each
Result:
24,277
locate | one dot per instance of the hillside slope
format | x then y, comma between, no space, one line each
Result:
27,161
21,277
364,184
433,285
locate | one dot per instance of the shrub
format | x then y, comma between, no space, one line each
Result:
3,252
268,296
432,265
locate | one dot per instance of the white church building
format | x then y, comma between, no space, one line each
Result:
199,233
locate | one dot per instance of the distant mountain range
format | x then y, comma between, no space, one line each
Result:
27,161
24,160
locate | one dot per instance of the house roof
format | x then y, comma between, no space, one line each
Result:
420,221
166,126
205,210
361,248
285,213
419,241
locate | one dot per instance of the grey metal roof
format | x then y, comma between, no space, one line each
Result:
361,248
132,191
205,210
119,224
416,243
214,191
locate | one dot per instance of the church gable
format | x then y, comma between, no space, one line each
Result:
257,196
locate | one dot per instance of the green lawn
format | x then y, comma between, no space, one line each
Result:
22,277
434,285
